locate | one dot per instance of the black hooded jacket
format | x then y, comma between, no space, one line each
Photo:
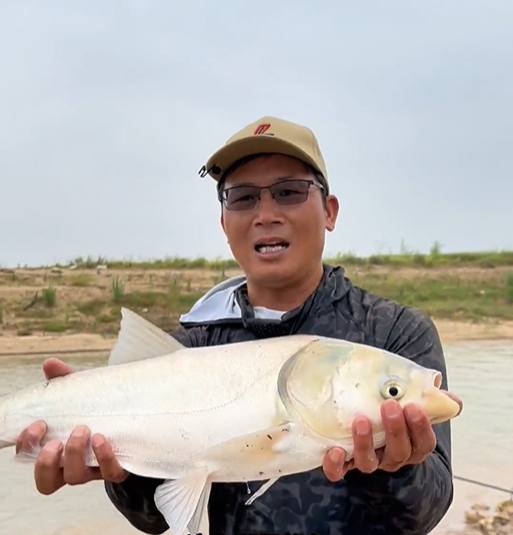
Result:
411,501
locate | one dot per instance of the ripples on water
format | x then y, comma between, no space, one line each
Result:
481,374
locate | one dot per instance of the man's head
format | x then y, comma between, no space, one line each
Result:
294,214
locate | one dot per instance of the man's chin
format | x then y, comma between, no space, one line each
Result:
276,273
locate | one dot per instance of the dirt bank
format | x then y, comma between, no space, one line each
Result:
450,332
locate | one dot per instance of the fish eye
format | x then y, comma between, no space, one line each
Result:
392,389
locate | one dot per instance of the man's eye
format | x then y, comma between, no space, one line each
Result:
243,198
287,192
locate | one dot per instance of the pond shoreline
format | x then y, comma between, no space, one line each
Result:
451,332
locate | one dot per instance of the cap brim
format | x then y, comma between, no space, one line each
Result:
248,146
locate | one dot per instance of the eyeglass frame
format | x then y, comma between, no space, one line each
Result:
258,189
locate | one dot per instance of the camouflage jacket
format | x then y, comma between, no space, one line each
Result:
411,501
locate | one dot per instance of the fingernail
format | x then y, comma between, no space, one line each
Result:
53,445
362,428
97,441
80,432
414,413
393,410
336,456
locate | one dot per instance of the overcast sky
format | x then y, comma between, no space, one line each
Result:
108,109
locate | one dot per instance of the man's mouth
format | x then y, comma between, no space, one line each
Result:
267,248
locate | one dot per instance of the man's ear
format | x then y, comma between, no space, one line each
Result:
332,209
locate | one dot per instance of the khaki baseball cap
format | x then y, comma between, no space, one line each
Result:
267,135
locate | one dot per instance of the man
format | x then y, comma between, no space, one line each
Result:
276,208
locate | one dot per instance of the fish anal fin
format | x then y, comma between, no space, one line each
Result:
199,522
139,339
180,500
262,490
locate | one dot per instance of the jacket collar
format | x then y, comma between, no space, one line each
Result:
228,302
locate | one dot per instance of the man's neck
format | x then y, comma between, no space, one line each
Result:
284,298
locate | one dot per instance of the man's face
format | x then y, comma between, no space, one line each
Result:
299,229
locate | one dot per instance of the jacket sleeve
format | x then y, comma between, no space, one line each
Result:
413,500
134,497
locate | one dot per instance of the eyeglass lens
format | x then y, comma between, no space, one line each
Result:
285,193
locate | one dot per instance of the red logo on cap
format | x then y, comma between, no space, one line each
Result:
261,129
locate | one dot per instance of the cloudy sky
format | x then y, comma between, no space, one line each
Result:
108,109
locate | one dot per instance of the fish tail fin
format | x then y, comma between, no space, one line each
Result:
25,457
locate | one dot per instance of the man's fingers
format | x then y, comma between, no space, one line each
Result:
334,464
109,466
365,458
423,438
47,473
56,368
31,437
398,446
75,470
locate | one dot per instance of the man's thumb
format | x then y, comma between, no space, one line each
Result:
56,368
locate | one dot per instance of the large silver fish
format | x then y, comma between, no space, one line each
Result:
247,411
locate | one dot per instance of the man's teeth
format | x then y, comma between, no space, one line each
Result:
271,248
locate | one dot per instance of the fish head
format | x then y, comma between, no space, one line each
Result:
330,382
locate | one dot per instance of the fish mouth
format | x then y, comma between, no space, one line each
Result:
438,404
437,379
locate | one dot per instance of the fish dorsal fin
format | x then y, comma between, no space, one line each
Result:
139,339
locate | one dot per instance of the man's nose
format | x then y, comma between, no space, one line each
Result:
268,210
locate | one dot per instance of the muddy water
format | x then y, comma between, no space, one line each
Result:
482,374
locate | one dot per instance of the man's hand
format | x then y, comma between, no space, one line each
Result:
48,474
409,440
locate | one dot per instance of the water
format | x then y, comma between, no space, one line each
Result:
481,374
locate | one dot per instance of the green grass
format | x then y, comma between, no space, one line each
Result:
447,297
509,288
117,289
433,259
81,280
49,296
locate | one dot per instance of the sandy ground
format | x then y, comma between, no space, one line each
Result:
450,332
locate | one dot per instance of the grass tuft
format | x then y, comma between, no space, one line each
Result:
49,295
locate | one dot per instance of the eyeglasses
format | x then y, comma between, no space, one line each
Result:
285,193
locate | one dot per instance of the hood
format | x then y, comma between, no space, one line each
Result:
217,304
221,303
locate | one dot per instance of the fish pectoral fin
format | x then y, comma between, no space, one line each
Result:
262,490
139,339
258,449
256,454
182,501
